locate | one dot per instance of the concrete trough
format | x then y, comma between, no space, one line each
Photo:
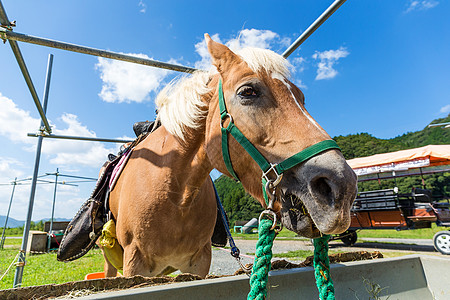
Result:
409,277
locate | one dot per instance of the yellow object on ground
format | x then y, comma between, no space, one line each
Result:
112,249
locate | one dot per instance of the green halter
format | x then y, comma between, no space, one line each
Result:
262,264
265,166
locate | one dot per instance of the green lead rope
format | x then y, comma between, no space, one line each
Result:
322,268
262,264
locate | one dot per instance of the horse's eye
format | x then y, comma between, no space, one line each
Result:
247,91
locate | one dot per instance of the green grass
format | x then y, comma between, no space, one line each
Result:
45,269
297,254
13,242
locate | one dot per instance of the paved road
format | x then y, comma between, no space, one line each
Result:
424,242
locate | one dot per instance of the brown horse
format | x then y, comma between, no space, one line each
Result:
160,203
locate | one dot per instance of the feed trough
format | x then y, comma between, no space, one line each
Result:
408,277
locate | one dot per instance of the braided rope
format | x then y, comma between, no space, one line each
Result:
322,268
262,264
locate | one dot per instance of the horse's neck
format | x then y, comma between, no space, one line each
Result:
187,161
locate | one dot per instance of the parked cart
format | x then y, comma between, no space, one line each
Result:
389,209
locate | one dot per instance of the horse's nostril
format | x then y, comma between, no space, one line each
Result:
321,189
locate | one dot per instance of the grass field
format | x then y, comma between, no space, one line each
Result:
45,269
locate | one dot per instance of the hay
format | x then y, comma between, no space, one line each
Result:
87,287
334,258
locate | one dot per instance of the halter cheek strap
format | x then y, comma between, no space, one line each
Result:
266,167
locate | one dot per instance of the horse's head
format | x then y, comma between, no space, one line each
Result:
316,194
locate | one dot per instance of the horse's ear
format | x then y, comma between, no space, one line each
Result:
222,57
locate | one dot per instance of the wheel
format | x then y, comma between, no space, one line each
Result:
441,242
349,237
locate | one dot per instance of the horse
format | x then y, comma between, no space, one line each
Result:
163,220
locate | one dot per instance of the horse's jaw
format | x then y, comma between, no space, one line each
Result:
295,217
316,198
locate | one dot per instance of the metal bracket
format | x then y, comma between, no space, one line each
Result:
3,34
20,263
4,29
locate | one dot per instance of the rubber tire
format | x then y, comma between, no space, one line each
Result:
441,242
349,238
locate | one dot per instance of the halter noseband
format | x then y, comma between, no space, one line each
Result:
268,185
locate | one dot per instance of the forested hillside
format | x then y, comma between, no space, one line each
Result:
241,206
363,144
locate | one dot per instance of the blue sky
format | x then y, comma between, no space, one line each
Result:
380,67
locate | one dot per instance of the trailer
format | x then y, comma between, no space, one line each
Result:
389,209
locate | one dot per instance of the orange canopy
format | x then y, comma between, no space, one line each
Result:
427,156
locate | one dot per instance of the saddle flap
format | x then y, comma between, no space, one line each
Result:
82,231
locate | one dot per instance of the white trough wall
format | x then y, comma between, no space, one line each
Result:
411,277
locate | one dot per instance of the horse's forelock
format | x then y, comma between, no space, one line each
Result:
262,59
179,103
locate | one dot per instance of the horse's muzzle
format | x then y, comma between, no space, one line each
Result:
318,195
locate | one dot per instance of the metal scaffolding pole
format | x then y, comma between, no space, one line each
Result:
15,36
21,261
23,67
49,234
79,138
77,177
319,21
2,243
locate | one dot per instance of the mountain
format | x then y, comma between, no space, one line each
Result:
12,223
364,144
426,136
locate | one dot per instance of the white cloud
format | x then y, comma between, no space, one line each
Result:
128,82
421,5
15,123
299,63
327,60
300,84
255,38
9,169
445,109
143,7
71,152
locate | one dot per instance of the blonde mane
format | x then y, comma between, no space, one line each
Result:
179,103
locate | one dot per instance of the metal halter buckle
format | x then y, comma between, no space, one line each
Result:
270,213
277,180
270,191
223,118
